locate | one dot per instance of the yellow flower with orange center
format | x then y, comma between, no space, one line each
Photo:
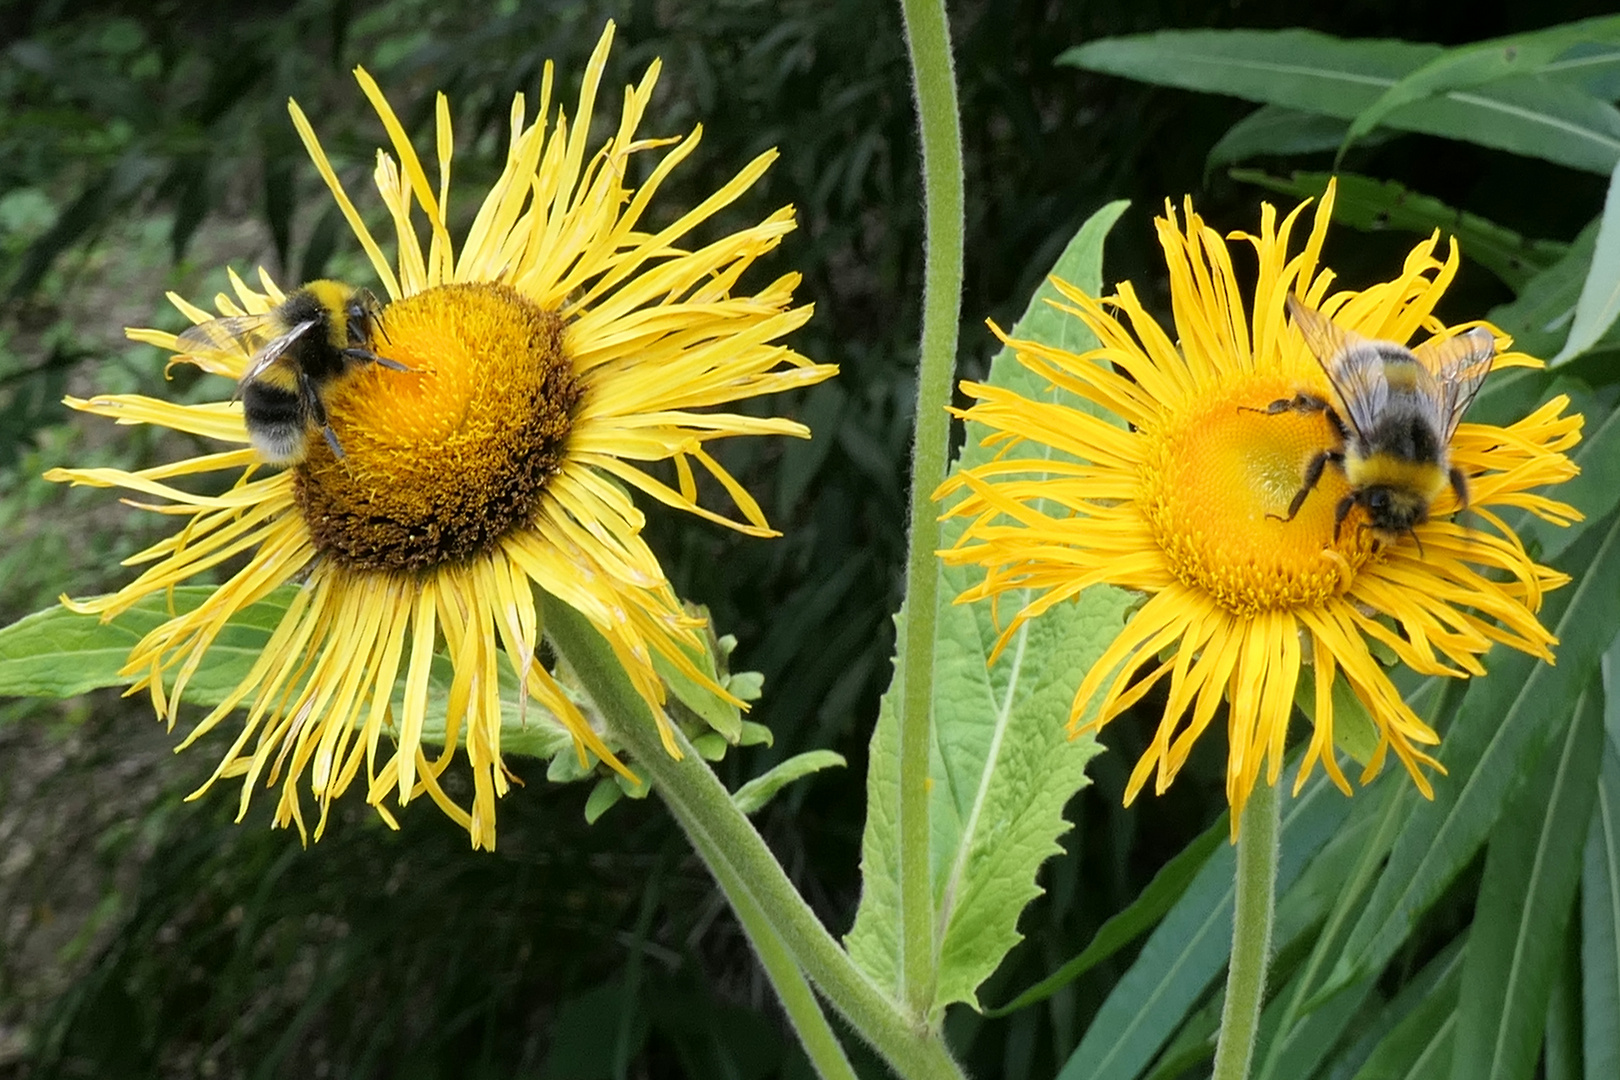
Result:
534,371
1175,481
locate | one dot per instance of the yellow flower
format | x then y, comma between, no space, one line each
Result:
1175,483
563,345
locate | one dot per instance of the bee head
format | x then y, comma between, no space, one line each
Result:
1393,510
361,314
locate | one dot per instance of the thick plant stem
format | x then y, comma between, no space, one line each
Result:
743,866
1251,934
798,1000
929,42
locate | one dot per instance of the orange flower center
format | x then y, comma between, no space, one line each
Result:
1219,477
441,460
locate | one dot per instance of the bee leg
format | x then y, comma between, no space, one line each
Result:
1459,484
1313,475
317,411
332,441
372,358
1300,403
1342,512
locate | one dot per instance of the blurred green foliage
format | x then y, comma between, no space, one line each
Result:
146,146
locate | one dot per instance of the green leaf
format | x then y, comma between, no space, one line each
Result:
1478,65
1504,723
603,797
1316,73
1600,898
1191,946
1561,1046
1310,1041
57,653
1525,899
1539,317
753,795
1422,1023
720,714
1595,492
1599,303
1167,887
1378,205
1275,130
1002,766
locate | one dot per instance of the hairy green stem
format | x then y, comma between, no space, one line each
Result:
929,42
1328,938
744,867
810,1024
1251,933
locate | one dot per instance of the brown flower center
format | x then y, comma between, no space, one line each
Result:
442,460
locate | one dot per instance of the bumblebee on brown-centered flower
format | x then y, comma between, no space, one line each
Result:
297,350
1400,408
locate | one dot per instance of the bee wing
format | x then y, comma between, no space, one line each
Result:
234,336
271,350
1458,366
1355,370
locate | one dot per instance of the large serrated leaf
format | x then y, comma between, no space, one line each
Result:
1316,73
1001,765
1525,899
1505,722
1167,887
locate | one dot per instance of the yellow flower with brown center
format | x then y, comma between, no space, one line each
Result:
1175,481
532,374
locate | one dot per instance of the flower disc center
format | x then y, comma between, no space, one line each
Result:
1219,478
440,461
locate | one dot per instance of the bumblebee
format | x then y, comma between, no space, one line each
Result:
296,352
1396,412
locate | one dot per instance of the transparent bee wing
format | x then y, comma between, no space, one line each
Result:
234,336
271,350
1353,365
1458,367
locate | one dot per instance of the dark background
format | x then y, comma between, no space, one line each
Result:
146,146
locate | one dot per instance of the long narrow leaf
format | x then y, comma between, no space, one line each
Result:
1600,898
1506,720
1479,65
1524,905
1312,72
1191,947
1418,1044
1599,304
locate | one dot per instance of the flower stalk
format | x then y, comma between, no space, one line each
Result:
753,881
1251,934
929,45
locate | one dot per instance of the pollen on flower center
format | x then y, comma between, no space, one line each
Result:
442,460
1219,475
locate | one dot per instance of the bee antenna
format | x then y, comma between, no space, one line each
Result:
1416,540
